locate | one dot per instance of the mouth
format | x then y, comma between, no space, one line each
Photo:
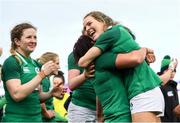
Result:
91,33
32,45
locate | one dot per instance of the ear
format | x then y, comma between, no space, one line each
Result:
17,42
105,27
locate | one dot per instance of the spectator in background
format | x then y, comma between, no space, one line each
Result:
169,89
47,106
61,112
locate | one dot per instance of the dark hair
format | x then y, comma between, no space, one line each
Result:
60,75
16,33
83,44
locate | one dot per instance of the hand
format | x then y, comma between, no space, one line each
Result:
177,110
89,71
150,56
49,67
49,114
173,64
58,91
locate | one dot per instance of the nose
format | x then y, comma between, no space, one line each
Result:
87,28
33,40
61,85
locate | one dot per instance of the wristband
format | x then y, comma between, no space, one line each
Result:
42,74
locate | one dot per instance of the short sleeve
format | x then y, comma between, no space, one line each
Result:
10,69
108,39
71,63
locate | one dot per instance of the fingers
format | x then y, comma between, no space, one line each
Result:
150,50
150,57
90,70
173,63
49,67
58,85
65,89
58,92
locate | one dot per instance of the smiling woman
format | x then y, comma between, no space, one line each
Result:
21,77
117,38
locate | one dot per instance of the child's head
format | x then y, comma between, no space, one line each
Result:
58,80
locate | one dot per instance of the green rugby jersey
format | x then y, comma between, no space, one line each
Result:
28,109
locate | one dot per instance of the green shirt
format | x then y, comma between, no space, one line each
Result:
84,95
110,90
28,109
49,102
138,79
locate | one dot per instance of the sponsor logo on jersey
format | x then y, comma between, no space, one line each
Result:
26,70
170,94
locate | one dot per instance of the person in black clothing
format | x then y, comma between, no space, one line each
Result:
169,90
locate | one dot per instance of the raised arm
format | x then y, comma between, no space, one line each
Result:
167,74
121,61
90,56
165,77
131,59
19,91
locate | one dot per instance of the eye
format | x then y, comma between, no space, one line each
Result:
28,37
84,29
89,23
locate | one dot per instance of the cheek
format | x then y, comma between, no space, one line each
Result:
55,83
61,86
101,30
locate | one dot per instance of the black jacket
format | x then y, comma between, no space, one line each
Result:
170,93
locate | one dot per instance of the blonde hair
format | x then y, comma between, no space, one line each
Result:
108,21
48,56
101,17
